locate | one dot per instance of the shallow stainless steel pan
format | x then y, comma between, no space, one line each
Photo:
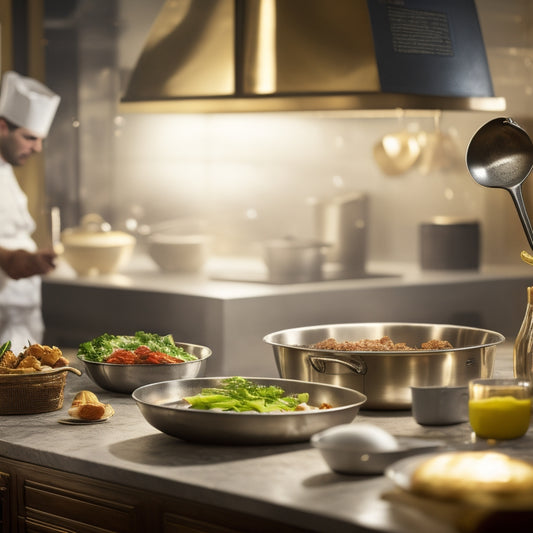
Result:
385,377
161,406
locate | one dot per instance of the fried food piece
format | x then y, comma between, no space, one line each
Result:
51,355
32,359
48,355
9,360
29,361
87,406
61,362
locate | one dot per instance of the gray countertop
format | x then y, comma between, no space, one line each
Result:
246,277
290,482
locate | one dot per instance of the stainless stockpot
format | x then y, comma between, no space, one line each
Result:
385,377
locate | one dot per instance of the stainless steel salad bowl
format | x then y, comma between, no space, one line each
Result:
126,378
385,377
162,406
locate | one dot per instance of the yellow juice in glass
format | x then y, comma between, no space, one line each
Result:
500,417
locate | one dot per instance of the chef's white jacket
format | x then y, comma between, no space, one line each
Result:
20,300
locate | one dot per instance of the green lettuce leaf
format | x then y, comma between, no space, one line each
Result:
100,348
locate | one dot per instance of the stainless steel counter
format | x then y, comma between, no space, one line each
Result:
229,278
233,317
291,482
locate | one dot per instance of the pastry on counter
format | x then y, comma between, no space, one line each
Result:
479,477
87,406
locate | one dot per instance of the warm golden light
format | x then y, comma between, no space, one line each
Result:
266,52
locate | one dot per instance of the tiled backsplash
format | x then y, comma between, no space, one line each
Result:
257,177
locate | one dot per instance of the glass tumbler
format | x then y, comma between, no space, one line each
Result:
499,408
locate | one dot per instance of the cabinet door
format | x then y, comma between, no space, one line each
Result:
5,502
37,499
192,517
174,523
78,510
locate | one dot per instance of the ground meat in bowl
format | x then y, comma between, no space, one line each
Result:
436,345
385,344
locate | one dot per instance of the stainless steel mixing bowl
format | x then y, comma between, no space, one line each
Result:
385,377
127,378
162,407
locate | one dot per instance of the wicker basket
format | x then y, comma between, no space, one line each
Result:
39,392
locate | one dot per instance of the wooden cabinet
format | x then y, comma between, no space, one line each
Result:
5,501
43,500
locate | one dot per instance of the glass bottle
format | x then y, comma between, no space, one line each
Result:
523,347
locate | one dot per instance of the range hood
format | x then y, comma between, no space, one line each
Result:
228,56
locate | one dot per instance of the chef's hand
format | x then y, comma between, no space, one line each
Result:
23,264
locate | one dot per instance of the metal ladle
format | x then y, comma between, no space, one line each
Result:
500,155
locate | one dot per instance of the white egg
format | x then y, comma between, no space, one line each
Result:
361,437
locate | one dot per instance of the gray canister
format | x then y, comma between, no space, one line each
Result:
342,221
448,243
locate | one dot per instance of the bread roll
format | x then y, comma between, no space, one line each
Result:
87,406
85,397
473,475
88,411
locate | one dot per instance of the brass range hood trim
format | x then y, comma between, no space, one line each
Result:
245,56
364,102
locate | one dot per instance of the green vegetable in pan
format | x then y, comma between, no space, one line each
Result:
240,394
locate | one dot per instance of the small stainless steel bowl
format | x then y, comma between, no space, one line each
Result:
127,378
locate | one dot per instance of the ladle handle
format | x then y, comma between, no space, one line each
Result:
518,199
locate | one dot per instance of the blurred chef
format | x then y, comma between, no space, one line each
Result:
27,109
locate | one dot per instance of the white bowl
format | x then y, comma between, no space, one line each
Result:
178,253
93,253
353,449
